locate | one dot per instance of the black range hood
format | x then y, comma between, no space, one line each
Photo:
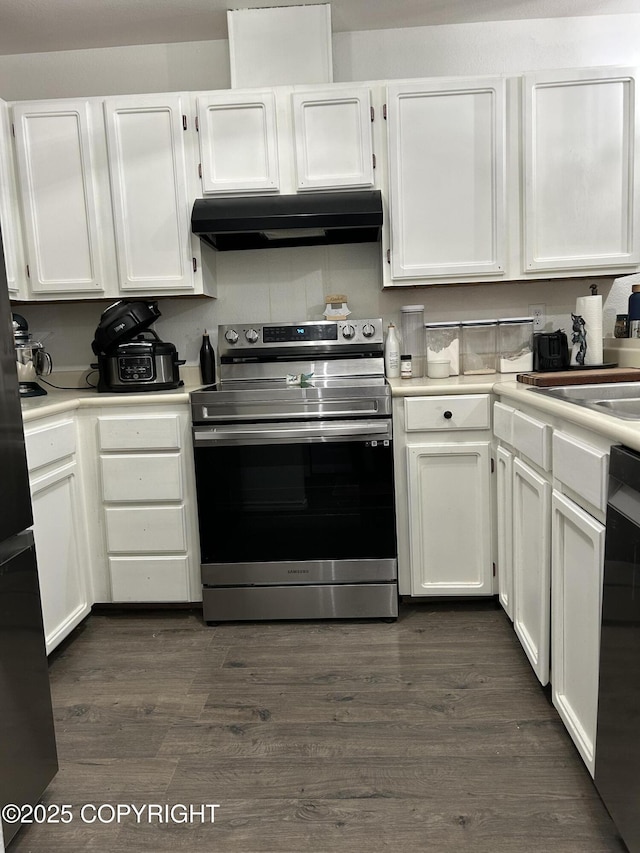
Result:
309,219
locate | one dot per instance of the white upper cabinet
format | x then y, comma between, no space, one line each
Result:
333,140
58,184
9,211
238,142
582,188
150,191
446,178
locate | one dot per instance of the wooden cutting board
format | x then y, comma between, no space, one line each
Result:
580,377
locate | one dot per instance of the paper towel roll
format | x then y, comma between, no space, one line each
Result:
586,335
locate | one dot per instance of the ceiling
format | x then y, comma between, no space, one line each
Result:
31,26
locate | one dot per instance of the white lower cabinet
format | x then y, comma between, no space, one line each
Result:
449,518
531,565
504,507
576,596
148,504
59,527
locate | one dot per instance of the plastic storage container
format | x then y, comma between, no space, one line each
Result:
515,345
412,333
479,347
443,341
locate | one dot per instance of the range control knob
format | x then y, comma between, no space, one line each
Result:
231,336
368,330
251,335
348,331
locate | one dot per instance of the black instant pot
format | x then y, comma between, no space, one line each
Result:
131,356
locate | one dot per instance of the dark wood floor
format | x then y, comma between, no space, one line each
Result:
430,734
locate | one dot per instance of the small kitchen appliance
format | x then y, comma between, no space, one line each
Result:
550,351
131,356
294,474
32,360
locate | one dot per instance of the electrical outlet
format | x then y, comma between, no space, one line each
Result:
539,314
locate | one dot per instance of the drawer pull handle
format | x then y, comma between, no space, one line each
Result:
448,415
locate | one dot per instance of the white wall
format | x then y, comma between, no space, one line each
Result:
290,284
480,48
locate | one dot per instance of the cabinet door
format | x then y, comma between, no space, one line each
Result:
59,187
446,172
449,518
238,142
576,600
504,492
582,186
152,209
9,212
58,529
333,142
531,565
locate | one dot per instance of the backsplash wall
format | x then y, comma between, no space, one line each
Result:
291,284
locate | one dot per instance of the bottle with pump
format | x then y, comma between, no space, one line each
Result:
207,361
392,353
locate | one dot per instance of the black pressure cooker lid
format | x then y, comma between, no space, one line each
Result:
121,322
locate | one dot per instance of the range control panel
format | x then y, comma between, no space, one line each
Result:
306,334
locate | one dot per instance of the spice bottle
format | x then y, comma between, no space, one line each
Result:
405,367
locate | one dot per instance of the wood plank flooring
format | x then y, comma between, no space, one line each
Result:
429,734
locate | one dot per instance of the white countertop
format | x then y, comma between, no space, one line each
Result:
615,429
452,385
618,430
56,402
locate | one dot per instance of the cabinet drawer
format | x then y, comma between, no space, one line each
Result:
50,443
149,578
468,411
503,422
583,468
148,477
144,432
149,530
533,439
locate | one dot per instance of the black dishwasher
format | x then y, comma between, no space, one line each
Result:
617,765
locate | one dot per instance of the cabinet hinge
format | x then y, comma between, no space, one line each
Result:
494,569
28,273
384,112
493,465
195,264
374,160
200,170
197,125
388,256
373,113
184,122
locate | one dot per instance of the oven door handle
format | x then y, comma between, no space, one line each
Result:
263,434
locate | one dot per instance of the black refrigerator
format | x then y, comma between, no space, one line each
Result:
28,758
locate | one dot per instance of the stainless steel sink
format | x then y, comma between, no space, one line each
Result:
620,399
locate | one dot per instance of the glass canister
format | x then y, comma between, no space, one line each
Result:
443,341
479,347
412,333
515,344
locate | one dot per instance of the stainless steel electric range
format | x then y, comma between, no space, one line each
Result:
294,474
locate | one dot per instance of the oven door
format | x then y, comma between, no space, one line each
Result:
292,503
